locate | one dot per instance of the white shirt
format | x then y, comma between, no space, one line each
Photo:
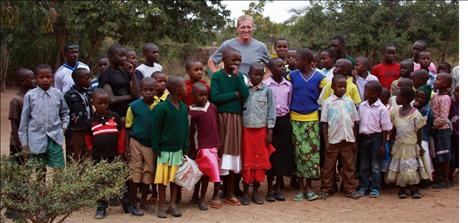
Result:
340,114
328,74
63,79
361,83
147,70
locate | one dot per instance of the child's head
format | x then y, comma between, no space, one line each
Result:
194,69
132,57
406,68
420,98
148,88
425,59
418,46
372,91
343,67
256,73
405,82
443,82
151,53
362,65
404,95
102,64
199,94
385,95
231,59
176,86
25,78
281,48
389,53
81,77
161,80
338,44
291,59
304,59
339,85
420,78
327,58
277,68
43,76
444,67
72,52
100,100
117,55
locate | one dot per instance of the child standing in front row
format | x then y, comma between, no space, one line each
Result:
205,141
44,119
440,106
169,140
373,131
405,169
282,159
339,128
259,119
307,85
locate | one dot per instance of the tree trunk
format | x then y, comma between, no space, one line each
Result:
4,57
61,36
92,52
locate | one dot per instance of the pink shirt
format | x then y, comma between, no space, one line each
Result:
432,67
282,93
374,118
440,106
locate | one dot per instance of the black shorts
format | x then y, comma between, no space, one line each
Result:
442,140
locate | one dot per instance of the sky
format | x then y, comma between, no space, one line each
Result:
278,11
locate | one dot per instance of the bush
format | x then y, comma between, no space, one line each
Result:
78,185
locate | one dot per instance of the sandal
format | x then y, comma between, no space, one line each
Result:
299,197
232,201
402,194
216,204
311,196
174,212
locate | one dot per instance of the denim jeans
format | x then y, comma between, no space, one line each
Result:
370,161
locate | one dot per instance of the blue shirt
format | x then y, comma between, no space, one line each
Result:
45,114
259,109
426,112
305,91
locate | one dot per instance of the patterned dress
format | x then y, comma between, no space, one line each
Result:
306,139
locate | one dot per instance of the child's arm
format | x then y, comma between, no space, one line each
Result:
128,126
121,139
325,134
243,89
421,150
64,113
271,115
23,127
443,114
384,141
216,96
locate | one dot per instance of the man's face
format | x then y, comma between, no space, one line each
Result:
72,55
245,29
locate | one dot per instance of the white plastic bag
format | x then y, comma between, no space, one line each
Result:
188,174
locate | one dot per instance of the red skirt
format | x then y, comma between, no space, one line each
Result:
255,154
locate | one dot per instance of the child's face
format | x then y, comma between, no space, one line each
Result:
101,103
339,87
256,76
119,57
440,83
400,100
406,69
44,78
278,69
281,48
152,55
418,82
301,63
232,62
417,48
360,67
291,58
389,54
147,91
325,60
384,96
425,59
370,93
28,81
342,68
160,83
196,71
132,57
200,96
419,99
84,79
102,64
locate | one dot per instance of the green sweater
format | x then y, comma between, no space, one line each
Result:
170,130
223,91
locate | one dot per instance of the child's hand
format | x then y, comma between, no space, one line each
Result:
130,68
421,150
269,137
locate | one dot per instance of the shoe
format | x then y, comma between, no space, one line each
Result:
147,207
245,200
311,196
299,197
353,195
100,213
135,211
361,192
440,185
125,208
270,197
375,193
279,196
162,212
114,202
202,205
415,194
174,212
257,199
402,194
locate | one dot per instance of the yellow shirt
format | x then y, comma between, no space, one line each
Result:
129,117
351,91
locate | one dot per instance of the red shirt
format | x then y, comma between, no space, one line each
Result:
386,73
188,85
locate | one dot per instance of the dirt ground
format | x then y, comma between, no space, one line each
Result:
435,206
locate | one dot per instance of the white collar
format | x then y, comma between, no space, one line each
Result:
204,109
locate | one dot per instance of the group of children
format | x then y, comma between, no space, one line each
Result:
304,117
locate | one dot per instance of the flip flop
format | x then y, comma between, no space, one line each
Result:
232,201
216,204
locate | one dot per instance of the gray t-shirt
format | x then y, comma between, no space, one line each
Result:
251,52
